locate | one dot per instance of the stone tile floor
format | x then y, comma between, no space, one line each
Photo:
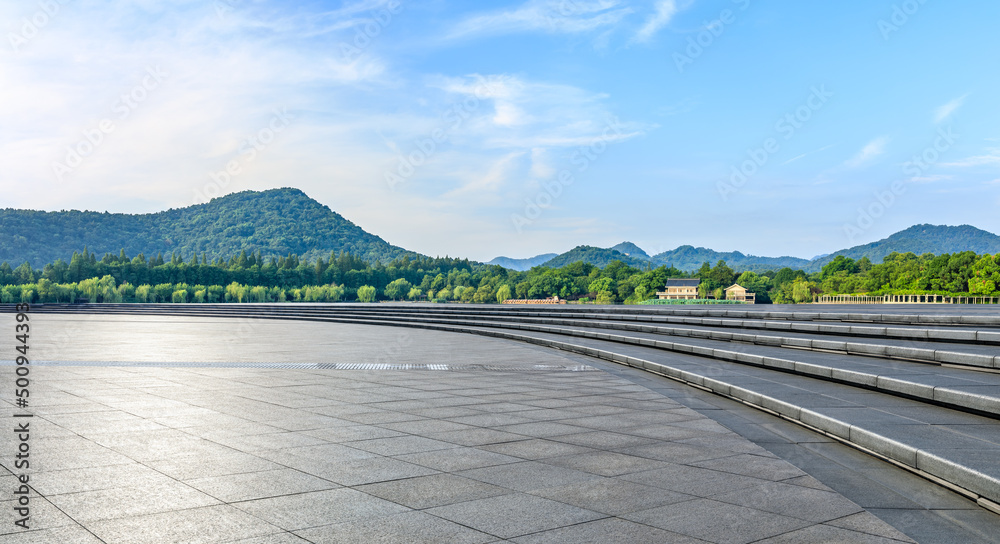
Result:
161,454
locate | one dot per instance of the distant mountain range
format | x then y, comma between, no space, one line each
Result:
282,221
523,264
917,239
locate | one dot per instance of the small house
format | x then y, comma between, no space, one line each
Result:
739,293
680,289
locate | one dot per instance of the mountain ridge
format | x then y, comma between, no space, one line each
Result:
918,239
286,220
275,222
522,264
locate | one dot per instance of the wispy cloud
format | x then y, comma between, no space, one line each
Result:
944,111
871,150
665,11
550,16
525,114
806,154
931,179
990,158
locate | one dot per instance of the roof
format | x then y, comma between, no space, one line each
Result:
678,282
735,286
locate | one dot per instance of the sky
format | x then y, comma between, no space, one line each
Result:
514,128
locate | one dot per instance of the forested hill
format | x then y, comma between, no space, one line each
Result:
690,258
596,256
522,264
630,249
920,239
276,222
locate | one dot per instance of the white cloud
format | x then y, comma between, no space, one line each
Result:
550,16
665,11
511,112
871,150
931,179
990,158
793,159
944,111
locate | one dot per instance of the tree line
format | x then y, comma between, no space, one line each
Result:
251,277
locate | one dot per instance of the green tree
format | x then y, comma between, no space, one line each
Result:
722,275
367,293
801,291
756,284
503,293
985,275
24,274
838,264
605,297
397,289
601,285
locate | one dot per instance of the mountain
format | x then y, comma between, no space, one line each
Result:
630,249
920,239
917,239
276,222
690,258
522,264
596,256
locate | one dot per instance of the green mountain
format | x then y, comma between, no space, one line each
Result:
920,239
630,249
690,258
596,256
522,264
276,222
687,258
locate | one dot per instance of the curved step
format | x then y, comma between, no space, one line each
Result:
986,400
972,471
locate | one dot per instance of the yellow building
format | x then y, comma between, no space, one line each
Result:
739,293
680,289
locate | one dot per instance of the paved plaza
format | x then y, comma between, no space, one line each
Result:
188,430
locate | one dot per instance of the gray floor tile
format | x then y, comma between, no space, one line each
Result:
717,522
527,476
430,491
258,485
605,531
121,502
293,512
509,516
213,524
612,496
404,528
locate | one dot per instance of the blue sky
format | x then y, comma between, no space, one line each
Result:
480,129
